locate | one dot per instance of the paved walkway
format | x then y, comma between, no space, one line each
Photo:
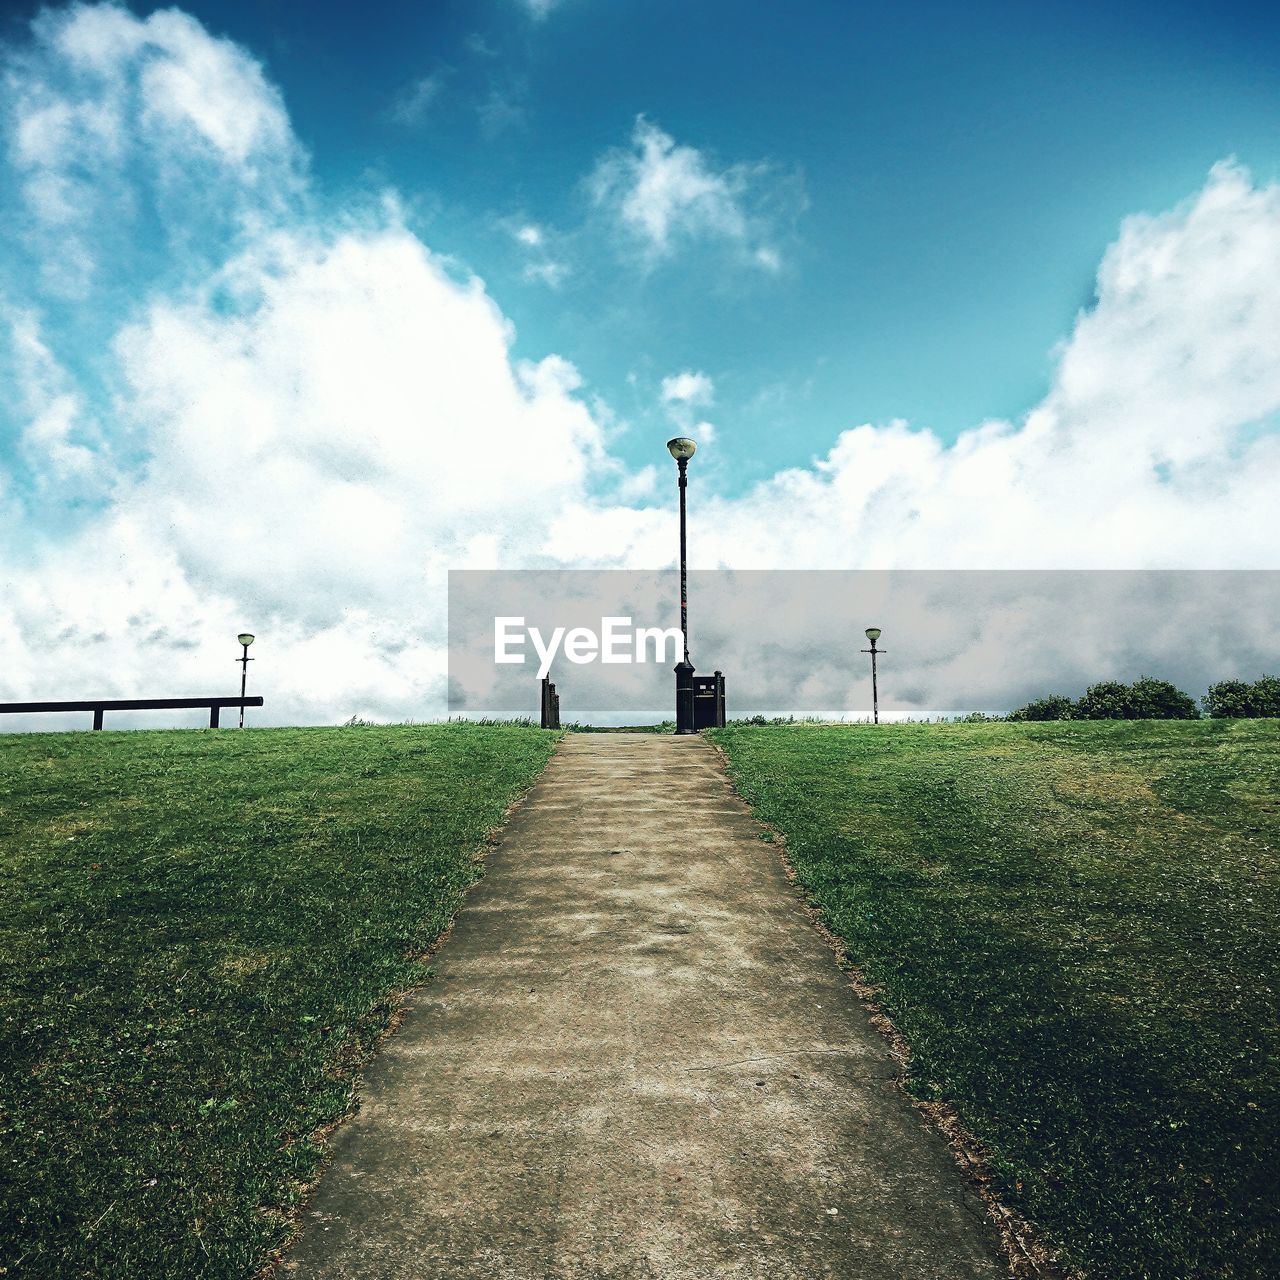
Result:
638,1059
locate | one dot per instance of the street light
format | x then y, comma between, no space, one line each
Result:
682,449
873,634
246,639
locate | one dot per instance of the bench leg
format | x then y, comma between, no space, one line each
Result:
213,717
97,717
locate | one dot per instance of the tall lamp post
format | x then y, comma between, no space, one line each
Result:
246,639
873,634
682,449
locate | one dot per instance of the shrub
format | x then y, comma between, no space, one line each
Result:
1106,700
1152,699
1266,696
1057,706
1240,699
1228,699
1145,699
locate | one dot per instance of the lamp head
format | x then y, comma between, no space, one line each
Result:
245,638
682,448
873,634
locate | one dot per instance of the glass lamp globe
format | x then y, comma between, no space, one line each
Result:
873,633
682,448
245,638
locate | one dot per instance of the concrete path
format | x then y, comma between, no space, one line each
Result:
638,1059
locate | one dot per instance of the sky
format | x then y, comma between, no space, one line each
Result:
302,307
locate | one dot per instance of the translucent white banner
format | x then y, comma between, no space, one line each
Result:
790,643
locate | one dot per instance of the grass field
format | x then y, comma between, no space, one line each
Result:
201,935
1075,926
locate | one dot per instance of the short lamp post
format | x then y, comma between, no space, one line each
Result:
682,449
873,634
246,639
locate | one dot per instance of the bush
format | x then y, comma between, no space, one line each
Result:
1146,699
1152,699
1239,699
1106,700
1229,699
1057,706
1266,696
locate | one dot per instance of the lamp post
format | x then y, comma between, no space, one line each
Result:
682,449
873,634
246,639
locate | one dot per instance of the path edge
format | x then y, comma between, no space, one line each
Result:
272,1265
1022,1245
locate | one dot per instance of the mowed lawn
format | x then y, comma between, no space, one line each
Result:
201,936
1076,928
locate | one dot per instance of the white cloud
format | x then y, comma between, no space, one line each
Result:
503,109
315,462
1156,445
477,44
317,428
768,258
664,194
538,9
415,100
682,395
379,422
688,388
115,120
549,272
542,268
193,84
167,70
309,421
60,442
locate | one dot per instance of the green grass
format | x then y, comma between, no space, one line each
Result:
1077,928
201,937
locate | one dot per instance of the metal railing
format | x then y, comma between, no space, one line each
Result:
99,706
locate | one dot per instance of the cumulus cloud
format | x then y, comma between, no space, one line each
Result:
695,390
1156,445
116,124
664,195
303,421
318,428
316,458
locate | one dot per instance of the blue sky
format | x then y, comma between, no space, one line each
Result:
302,307
940,180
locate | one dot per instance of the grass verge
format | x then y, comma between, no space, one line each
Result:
201,937
1076,928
